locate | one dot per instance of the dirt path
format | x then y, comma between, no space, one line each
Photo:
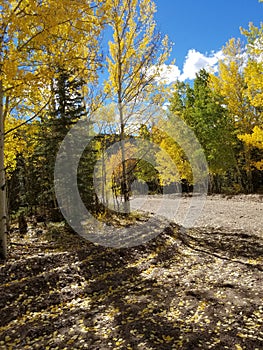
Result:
243,212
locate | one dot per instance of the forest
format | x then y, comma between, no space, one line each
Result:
85,112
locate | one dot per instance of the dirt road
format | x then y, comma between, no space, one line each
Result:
243,212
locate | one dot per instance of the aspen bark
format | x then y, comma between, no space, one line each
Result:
123,156
3,216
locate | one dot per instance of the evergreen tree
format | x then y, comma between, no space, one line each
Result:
66,109
204,111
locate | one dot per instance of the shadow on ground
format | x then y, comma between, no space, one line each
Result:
182,290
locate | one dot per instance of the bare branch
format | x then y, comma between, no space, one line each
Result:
28,120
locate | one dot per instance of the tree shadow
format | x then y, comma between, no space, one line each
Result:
164,294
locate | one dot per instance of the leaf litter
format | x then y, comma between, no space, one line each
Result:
185,289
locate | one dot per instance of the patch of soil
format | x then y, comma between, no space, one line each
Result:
184,289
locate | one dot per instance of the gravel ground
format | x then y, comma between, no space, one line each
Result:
241,212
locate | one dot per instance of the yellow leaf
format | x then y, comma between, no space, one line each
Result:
167,338
238,347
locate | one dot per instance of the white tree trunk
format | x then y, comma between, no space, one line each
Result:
3,218
126,195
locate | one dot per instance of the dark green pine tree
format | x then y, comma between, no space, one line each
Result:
68,104
205,113
66,109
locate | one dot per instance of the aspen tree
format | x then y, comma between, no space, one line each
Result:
36,36
230,83
136,47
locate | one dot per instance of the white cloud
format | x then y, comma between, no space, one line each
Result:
194,62
166,73
169,73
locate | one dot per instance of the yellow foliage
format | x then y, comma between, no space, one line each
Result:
132,48
254,140
172,163
18,142
254,81
230,83
37,37
254,69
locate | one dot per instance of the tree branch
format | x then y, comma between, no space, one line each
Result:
28,120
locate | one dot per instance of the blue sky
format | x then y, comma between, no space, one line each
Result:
203,27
